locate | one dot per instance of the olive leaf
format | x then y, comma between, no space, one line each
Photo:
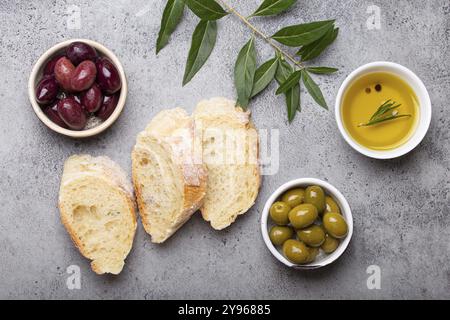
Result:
321,70
264,76
284,71
290,82
293,95
293,102
171,17
315,49
206,9
313,89
273,7
303,34
203,41
244,72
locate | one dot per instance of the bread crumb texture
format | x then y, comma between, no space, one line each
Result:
230,153
98,210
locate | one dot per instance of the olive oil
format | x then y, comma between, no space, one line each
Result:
362,99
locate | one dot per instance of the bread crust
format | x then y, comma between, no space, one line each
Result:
193,200
114,183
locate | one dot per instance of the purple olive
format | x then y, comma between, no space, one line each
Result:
47,90
52,113
74,96
72,113
107,76
92,98
78,52
83,76
49,68
108,106
63,73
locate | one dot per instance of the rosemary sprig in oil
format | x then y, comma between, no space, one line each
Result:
386,112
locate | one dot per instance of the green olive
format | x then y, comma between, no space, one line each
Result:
296,251
279,213
331,205
279,235
335,225
313,252
294,197
330,244
313,236
315,196
303,216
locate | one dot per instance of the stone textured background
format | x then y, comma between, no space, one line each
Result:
400,207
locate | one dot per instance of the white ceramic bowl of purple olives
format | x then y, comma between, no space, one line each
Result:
78,88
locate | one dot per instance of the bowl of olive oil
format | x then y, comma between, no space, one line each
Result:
383,110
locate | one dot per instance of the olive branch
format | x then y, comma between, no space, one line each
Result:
310,39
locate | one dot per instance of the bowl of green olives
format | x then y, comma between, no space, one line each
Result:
307,224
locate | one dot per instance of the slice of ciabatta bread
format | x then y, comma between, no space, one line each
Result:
168,175
230,153
97,208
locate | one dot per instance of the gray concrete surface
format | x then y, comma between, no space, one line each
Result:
400,207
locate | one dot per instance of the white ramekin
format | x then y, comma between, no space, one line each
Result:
36,75
323,259
424,108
